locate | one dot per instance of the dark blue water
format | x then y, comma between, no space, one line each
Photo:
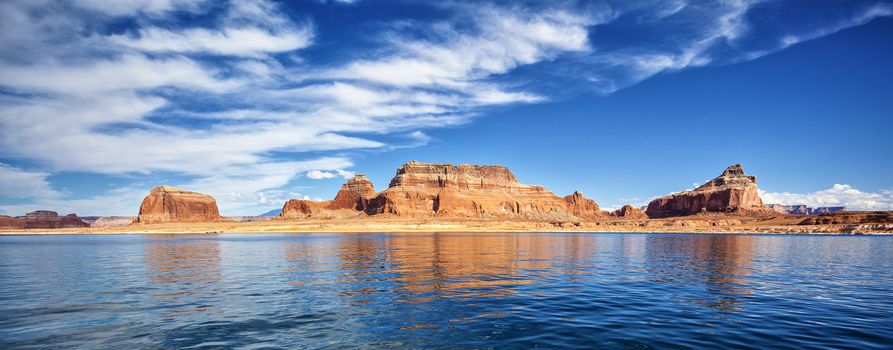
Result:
446,291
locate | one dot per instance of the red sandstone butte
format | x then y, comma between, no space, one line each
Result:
731,192
170,204
424,190
353,196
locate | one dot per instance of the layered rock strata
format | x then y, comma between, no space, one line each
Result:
8,222
732,192
630,212
46,219
444,190
353,196
850,218
170,204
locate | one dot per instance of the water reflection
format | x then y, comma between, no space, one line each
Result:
719,264
480,290
183,265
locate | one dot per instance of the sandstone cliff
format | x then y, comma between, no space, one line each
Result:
353,196
7,222
731,192
476,191
583,207
45,219
169,204
630,212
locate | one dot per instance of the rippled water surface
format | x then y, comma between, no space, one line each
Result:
446,291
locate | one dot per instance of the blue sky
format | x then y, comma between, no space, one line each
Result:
256,102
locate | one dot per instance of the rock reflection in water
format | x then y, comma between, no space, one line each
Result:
183,265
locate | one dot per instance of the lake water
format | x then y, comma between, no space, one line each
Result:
476,290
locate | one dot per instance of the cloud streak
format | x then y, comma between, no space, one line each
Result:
835,196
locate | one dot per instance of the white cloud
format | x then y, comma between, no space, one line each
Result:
860,18
19,183
506,39
229,41
319,175
123,201
837,195
133,7
344,173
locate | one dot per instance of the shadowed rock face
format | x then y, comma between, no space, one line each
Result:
630,212
354,195
45,219
426,189
733,191
171,204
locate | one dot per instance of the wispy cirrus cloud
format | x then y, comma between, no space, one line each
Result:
21,183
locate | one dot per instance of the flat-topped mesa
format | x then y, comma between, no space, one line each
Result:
170,204
46,219
731,192
463,176
354,195
478,191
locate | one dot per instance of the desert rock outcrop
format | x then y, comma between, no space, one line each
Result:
170,204
731,192
630,212
353,196
850,218
45,219
583,207
477,191
11,222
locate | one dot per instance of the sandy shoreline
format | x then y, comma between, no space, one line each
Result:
403,226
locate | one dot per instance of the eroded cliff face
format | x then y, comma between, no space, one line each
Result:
732,192
43,219
583,207
427,190
630,212
475,191
170,204
353,196
850,218
9,222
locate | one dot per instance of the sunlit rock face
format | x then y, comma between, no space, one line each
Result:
630,212
475,191
170,204
732,192
353,196
582,207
